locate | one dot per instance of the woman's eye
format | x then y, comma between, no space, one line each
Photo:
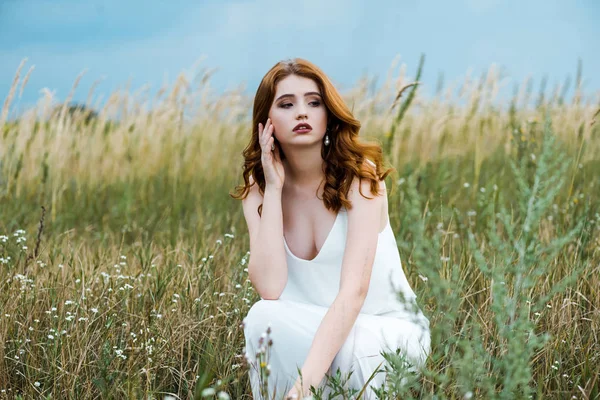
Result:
288,105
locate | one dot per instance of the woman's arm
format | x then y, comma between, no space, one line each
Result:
267,267
361,244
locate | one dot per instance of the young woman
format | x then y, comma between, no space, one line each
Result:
323,256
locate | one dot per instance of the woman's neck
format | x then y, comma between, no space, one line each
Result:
304,170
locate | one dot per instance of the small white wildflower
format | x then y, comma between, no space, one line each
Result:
238,286
37,384
466,184
94,310
423,278
229,235
219,241
50,337
208,392
223,396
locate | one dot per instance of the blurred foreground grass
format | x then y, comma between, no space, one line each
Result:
136,286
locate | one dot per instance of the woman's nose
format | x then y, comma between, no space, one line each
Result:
301,111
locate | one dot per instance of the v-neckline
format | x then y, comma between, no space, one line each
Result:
322,247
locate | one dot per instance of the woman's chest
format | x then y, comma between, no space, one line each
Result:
306,227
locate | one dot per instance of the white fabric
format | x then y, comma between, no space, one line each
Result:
385,323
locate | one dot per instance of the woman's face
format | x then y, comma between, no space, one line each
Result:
298,99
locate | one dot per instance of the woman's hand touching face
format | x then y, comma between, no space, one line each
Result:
270,157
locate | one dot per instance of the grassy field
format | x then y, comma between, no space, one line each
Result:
123,256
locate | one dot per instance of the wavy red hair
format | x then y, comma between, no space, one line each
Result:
344,157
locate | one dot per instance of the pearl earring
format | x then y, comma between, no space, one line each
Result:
327,138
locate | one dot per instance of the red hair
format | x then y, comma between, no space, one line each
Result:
344,157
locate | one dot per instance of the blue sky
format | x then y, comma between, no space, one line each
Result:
148,42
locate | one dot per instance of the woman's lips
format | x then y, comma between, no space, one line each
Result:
302,127
303,130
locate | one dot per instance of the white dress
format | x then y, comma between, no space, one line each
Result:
385,323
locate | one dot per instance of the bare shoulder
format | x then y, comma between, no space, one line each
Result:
250,207
365,185
372,207
253,193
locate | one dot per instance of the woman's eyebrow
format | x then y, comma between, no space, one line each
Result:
293,95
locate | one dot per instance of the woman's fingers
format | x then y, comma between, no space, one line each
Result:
261,130
265,133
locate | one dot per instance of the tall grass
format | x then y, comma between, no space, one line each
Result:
139,283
